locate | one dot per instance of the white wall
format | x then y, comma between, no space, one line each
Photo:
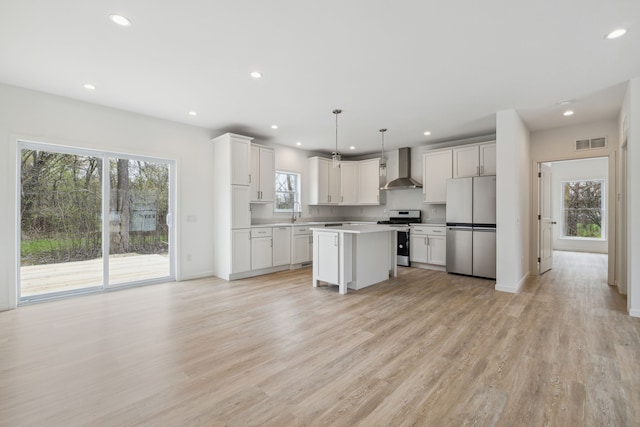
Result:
633,193
512,201
559,144
573,170
52,119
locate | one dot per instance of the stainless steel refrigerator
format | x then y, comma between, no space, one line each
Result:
471,226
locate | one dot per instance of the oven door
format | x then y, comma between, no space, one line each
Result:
403,248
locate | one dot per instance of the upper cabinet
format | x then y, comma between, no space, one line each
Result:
240,155
324,182
474,160
349,181
436,169
369,182
262,174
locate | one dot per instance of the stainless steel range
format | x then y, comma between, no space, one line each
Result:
402,219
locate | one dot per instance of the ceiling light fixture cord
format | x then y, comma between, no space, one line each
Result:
383,163
335,156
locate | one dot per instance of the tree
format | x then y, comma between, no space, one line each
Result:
119,233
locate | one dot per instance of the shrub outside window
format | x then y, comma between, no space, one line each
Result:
583,209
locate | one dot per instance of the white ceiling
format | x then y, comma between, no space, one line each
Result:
409,65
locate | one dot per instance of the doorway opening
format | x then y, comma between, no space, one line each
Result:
92,221
573,210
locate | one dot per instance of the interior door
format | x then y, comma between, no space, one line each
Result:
545,220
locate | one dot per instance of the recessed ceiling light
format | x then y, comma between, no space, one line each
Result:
568,113
274,126
618,32
256,74
427,133
89,86
120,20
193,113
352,148
298,143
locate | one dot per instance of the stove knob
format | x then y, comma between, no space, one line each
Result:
401,246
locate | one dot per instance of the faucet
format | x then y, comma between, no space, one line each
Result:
293,211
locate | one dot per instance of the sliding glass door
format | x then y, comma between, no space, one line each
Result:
78,205
138,221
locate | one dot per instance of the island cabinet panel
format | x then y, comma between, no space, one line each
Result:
281,246
327,257
437,167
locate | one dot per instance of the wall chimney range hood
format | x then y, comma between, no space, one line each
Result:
404,180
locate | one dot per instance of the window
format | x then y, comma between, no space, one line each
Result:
287,192
583,209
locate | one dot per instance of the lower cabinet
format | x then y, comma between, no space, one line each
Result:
261,248
428,245
326,262
301,245
281,246
240,250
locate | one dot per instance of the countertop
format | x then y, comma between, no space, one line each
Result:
309,224
358,228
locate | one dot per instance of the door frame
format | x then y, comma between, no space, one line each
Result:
28,143
611,192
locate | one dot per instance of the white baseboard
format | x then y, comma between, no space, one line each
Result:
192,276
512,289
634,312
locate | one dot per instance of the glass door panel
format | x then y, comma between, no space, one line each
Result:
60,223
139,235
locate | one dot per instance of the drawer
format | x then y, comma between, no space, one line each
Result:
301,230
261,232
428,229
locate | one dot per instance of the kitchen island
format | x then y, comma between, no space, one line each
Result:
354,256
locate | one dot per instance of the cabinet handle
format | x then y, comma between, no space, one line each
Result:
329,198
477,170
310,239
249,178
481,170
342,198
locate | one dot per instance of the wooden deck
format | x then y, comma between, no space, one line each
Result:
47,278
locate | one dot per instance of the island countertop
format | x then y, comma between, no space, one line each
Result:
357,228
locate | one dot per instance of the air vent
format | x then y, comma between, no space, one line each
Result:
590,144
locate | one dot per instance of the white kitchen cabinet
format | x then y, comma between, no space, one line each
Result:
281,246
261,248
240,160
437,167
487,158
324,182
240,207
301,245
369,182
240,250
419,249
428,245
349,183
327,260
262,174
474,160
437,250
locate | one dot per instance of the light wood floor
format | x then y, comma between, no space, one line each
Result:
425,348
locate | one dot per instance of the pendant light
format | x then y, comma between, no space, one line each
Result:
383,163
335,156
